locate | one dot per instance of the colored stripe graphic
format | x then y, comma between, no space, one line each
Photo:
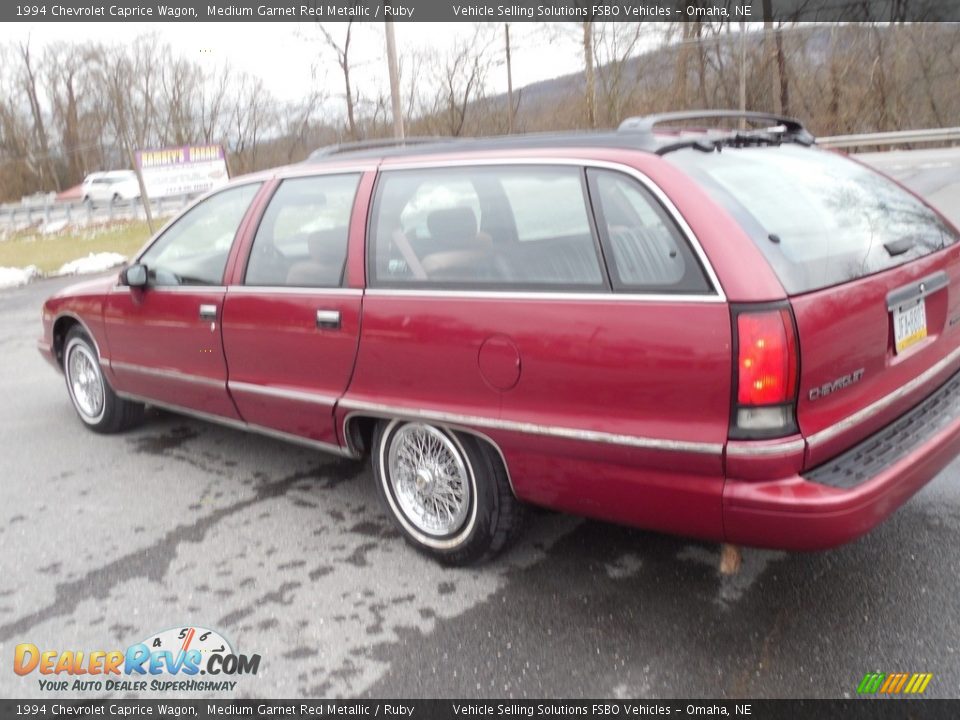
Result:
894,683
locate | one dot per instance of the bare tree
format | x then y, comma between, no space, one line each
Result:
615,48
215,93
461,77
44,162
181,84
253,117
342,51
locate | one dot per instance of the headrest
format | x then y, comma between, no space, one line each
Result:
454,224
327,245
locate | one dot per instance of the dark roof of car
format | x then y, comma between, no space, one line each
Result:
636,133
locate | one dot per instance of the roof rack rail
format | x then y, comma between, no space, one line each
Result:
374,144
645,124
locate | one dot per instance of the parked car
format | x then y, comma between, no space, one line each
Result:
721,333
113,186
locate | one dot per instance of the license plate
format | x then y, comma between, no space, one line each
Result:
909,325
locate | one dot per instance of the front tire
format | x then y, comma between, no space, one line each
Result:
447,492
97,405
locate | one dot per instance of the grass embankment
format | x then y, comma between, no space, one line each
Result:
51,252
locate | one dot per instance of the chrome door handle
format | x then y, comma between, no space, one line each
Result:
208,312
328,319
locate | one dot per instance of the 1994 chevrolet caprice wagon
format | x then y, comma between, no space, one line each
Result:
722,333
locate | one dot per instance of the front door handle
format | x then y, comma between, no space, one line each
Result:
328,319
208,312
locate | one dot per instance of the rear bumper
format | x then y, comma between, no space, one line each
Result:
853,493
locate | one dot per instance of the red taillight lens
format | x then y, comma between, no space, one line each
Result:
767,358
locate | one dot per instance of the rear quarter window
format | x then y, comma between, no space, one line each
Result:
819,218
645,250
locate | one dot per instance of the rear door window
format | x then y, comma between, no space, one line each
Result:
645,249
302,237
515,227
819,218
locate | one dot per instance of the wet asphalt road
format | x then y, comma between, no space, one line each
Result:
107,540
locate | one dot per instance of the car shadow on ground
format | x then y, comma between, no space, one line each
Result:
605,611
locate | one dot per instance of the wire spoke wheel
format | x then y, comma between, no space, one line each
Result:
429,478
85,381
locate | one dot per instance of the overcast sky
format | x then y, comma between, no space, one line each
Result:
282,53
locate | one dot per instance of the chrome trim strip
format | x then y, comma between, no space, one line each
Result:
299,395
584,162
604,296
535,429
308,169
175,288
169,374
828,433
283,290
917,289
245,426
749,448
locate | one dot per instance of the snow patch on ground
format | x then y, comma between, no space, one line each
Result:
15,277
94,262
53,227
625,566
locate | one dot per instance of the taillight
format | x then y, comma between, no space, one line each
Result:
766,373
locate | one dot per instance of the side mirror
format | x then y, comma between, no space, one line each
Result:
135,276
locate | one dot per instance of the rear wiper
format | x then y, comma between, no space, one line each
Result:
908,242
899,247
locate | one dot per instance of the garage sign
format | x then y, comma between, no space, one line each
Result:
182,170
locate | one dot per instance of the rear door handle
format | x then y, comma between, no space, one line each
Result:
208,312
328,319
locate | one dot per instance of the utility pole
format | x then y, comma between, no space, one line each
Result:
743,72
506,30
589,73
394,81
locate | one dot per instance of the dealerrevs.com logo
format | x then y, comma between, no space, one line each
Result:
169,661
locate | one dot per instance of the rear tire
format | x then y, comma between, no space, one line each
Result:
448,493
97,405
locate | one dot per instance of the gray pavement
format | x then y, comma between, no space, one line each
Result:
934,173
108,539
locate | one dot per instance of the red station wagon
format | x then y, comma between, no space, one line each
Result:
728,334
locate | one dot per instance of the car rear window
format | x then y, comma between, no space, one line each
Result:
819,218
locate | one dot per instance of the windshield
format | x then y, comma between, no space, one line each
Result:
819,218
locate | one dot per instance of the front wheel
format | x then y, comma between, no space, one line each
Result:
447,492
98,406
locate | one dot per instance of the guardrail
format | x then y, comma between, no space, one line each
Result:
899,137
24,215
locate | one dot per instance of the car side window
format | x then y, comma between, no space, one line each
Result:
485,227
644,248
302,238
194,250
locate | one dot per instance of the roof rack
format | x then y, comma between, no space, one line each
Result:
374,144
